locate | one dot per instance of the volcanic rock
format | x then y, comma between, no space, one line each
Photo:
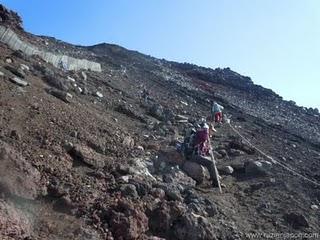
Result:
195,171
18,177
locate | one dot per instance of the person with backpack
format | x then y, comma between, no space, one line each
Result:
197,149
188,142
217,112
201,139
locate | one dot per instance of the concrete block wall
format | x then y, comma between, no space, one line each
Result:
10,38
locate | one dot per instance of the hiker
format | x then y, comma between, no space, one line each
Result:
201,140
217,112
197,148
145,95
188,142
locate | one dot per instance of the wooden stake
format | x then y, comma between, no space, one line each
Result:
215,167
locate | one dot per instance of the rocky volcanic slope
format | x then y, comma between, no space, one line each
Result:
82,158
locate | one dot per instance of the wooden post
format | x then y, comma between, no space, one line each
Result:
215,167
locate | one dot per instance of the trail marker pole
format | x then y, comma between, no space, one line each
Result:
215,167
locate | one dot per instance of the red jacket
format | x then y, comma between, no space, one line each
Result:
201,136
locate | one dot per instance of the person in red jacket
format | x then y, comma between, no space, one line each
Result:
201,151
202,140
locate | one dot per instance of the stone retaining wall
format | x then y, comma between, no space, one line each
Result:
10,38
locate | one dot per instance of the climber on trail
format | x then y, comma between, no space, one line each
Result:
201,151
144,95
216,112
201,140
196,149
188,142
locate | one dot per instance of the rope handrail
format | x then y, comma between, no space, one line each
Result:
272,159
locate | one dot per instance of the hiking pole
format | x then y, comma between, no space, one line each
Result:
215,167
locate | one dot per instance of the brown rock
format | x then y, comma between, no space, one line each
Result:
18,177
87,156
192,226
128,142
296,220
195,171
13,223
129,222
170,155
158,193
163,217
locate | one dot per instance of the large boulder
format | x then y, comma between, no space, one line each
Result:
296,220
170,156
127,221
129,190
13,222
240,144
199,205
18,177
18,81
176,176
62,95
52,78
86,155
227,170
130,112
162,218
128,142
195,171
195,227
157,112
257,168
16,71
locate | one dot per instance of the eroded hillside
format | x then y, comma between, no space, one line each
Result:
84,157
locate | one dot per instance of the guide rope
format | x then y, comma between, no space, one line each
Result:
272,159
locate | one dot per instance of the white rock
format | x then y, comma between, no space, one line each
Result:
71,79
140,148
8,60
258,167
181,117
84,75
19,82
266,164
99,94
24,67
126,178
1,74
228,170
272,180
142,168
128,142
69,95
314,207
